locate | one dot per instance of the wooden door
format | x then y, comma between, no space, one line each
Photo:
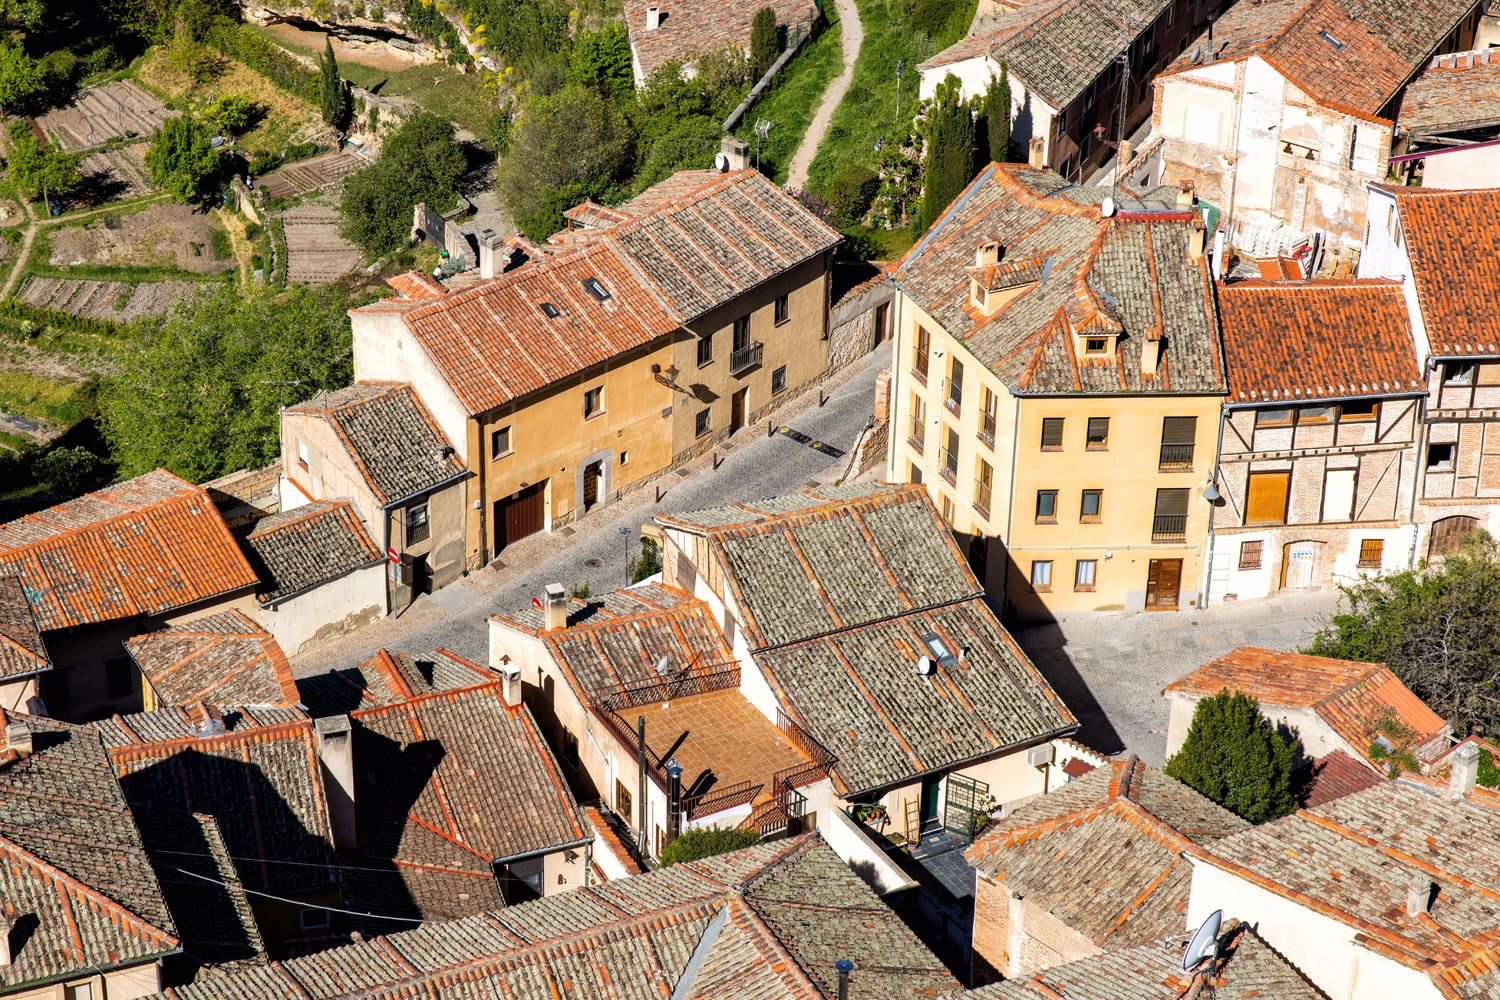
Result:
1163,584
1448,535
737,410
1299,562
520,514
591,474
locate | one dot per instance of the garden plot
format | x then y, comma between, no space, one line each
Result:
117,301
175,237
299,178
99,114
315,252
116,173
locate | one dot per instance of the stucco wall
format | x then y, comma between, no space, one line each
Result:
339,606
119,984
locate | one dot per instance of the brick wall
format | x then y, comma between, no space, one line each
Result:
991,955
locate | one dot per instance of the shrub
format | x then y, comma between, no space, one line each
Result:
601,59
71,471
1233,756
181,159
233,114
1489,774
243,44
849,198
935,18
763,41
648,563
420,162
707,841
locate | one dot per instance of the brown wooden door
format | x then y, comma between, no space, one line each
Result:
519,515
591,474
737,410
1448,535
1163,583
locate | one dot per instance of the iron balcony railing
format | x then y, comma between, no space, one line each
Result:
745,358
918,435
948,465
953,396
982,497
1169,528
1176,457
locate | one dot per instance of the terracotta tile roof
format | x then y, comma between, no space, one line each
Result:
1349,55
1129,276
1353,699
389,434
1453,243
640,599
1250,969
691,28
21,649
306,547
223,659
1354,859
1317,340
144,546
75,878
416,285
165,725
768,921
387,678
1335,775
449,783
1103,853
1455,93
494,343
1057,47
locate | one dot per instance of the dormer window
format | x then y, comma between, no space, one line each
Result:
1096,345
596,289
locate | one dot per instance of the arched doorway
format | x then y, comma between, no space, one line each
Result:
1448,535
1300,563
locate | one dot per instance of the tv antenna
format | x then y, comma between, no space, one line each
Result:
763,128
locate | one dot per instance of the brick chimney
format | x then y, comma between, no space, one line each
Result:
1464,772
555,607
336,754
1418,895
18,737
1036,153
490,244
653,18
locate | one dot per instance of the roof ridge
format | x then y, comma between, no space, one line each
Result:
299,727
495,687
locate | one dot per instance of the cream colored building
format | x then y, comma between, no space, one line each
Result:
1056,385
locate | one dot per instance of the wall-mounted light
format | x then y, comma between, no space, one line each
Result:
668,378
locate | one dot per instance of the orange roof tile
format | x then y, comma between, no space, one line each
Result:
416,285
1317,340
223,659
143,546
1453,242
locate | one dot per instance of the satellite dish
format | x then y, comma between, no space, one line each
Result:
1107,207
721,162
662,664
1204,945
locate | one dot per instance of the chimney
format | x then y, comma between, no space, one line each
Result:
1122,161
987,253
18,738
489,253
1198,234
1461,779
1151,353
1036,153
336,753
736,154
653,18
556,607
1184,195
1418,895
511,692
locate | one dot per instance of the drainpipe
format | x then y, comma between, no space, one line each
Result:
1419,459
1010,500
640,741
674,798
385,548
1208,557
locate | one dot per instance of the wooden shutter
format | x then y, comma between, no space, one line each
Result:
1178,430
1171,503
1268,494
1052,432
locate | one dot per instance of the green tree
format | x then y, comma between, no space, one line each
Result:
601,59
688,145
997,116
420,162
38,172
71,471
181,159
1437,628
333,95
1234,756
200,390
950,150
705,842
233,114
21,78
574,137
763,41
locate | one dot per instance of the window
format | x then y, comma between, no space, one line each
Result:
922,353
955,385
302,455
569,753
119,677
1358,411
1052,431
1046,506
500,442
984,485
550,311
1273,418
596,289
918,436
1314,414
914,474
1459,372
700,423
1083,574
1090,506
312,918
1041,574
623,802
778,380
782,312
947,505
741,333
83,991
1097,438
1371,551
624,458
1095,345
991,411
949,468
1177,435
593,401
1250,555
1169,524
705,350
1171,15
1338,495
1440,458
417,528
1062,123
1268,494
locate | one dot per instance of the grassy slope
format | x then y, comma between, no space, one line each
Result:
793,99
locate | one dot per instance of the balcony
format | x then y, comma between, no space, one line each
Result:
917,438
948,465
1169,528
745,359
1176,458
982,497
953,396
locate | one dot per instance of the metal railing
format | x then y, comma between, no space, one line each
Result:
1175,457
948,465
719,799
987,429
745,358
953,396
714,677
918,435
820,759
983,493
621,731
1169,528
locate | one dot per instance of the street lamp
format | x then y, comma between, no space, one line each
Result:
625,538
668,378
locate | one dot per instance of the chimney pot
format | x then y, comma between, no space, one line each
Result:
1036,153
1185,195
1196,237
489,252
511,691
18,737
986,253
336,753
1464,772
653,18
556,606
736,154
1418,895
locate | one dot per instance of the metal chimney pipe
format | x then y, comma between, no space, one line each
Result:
674,798
845,967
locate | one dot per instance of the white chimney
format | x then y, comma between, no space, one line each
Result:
653,18
1197,234
489,253
1465,771
736,154
511,691
336,753
1151,355
1036,153
1418,895
556,607
18,737
987,253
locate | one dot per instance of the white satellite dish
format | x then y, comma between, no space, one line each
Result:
1107,207
1204,944
721,162
662,664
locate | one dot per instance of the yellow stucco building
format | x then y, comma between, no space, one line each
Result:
1056,382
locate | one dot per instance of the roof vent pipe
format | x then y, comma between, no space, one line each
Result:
1418,895
845,967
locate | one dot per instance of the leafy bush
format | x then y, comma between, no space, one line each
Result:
36,172
575,137
849,198
706,842
233,114
601,59
1489,774
1235,757
244,44
181,159
420,162
71,471
935,18
219,244
648,563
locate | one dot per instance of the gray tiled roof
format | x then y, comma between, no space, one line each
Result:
1094,855
75,877
223,659
164,725
1131,274
299,549
766,922
1455,92
858,692
21,649
387,678
218,925
396,445
1251,970
692,28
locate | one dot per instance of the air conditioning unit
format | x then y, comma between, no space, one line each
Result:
1037,756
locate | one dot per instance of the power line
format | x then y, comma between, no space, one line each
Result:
308,906
273,861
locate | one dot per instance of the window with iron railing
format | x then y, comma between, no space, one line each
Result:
1177,435
948,457
922,354
987,421
918,436
1169,523
953,388
984,485
745,358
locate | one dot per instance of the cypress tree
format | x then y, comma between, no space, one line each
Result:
997,116
763,41
950,151
1234,756
332,94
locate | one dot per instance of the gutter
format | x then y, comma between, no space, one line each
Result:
98,970
542,851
